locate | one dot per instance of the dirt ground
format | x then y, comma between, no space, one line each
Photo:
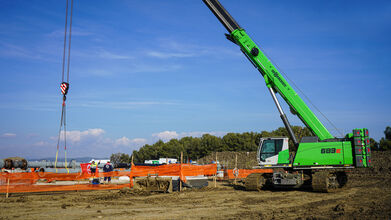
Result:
367,197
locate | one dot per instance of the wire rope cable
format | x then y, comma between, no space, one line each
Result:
65,84
65,40
69,42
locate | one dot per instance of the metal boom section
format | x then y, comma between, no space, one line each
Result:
272,76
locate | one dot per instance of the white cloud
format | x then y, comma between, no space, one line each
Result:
77,136
151,67
99,72
93,142
75,32
8,135
171,48
166,135
12,50
200,133
124,141
113,56
165,55
139,140
41,144
102,54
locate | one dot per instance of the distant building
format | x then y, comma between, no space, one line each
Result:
104,161
161,161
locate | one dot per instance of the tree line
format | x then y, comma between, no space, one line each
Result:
198,147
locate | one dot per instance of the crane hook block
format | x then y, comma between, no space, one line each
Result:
64,88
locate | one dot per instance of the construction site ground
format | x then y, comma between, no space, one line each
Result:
367,197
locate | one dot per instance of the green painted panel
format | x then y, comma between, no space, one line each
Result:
347,152
319,154
283,157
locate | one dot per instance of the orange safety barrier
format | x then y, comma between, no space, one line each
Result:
34,176
181,170
243,173
52,188
28,181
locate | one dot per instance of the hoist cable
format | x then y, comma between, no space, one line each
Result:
65,85
59,136
65,41
65,138
69,43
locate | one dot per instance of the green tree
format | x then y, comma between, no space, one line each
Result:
119,158
231,142
373,144
387,133
192,147
385,143
198,147
210,143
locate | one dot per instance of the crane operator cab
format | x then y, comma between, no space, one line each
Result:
273,152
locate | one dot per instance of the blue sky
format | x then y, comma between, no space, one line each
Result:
148,70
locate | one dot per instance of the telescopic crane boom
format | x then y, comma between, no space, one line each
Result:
274,80
317,160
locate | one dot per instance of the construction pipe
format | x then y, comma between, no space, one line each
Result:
50,164
53,170
14,163
18,162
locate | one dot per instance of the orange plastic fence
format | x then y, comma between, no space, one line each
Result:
243,173
53,188
28,181
34,176
181,170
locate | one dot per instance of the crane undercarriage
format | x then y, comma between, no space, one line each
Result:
329,180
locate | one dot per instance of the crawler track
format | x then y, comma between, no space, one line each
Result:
320,181
254,182
325,181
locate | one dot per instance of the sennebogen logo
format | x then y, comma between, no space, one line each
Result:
278,77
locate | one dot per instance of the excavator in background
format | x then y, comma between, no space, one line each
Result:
319,161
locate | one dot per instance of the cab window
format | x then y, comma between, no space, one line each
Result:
270,148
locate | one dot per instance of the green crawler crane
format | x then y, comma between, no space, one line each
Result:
319,161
